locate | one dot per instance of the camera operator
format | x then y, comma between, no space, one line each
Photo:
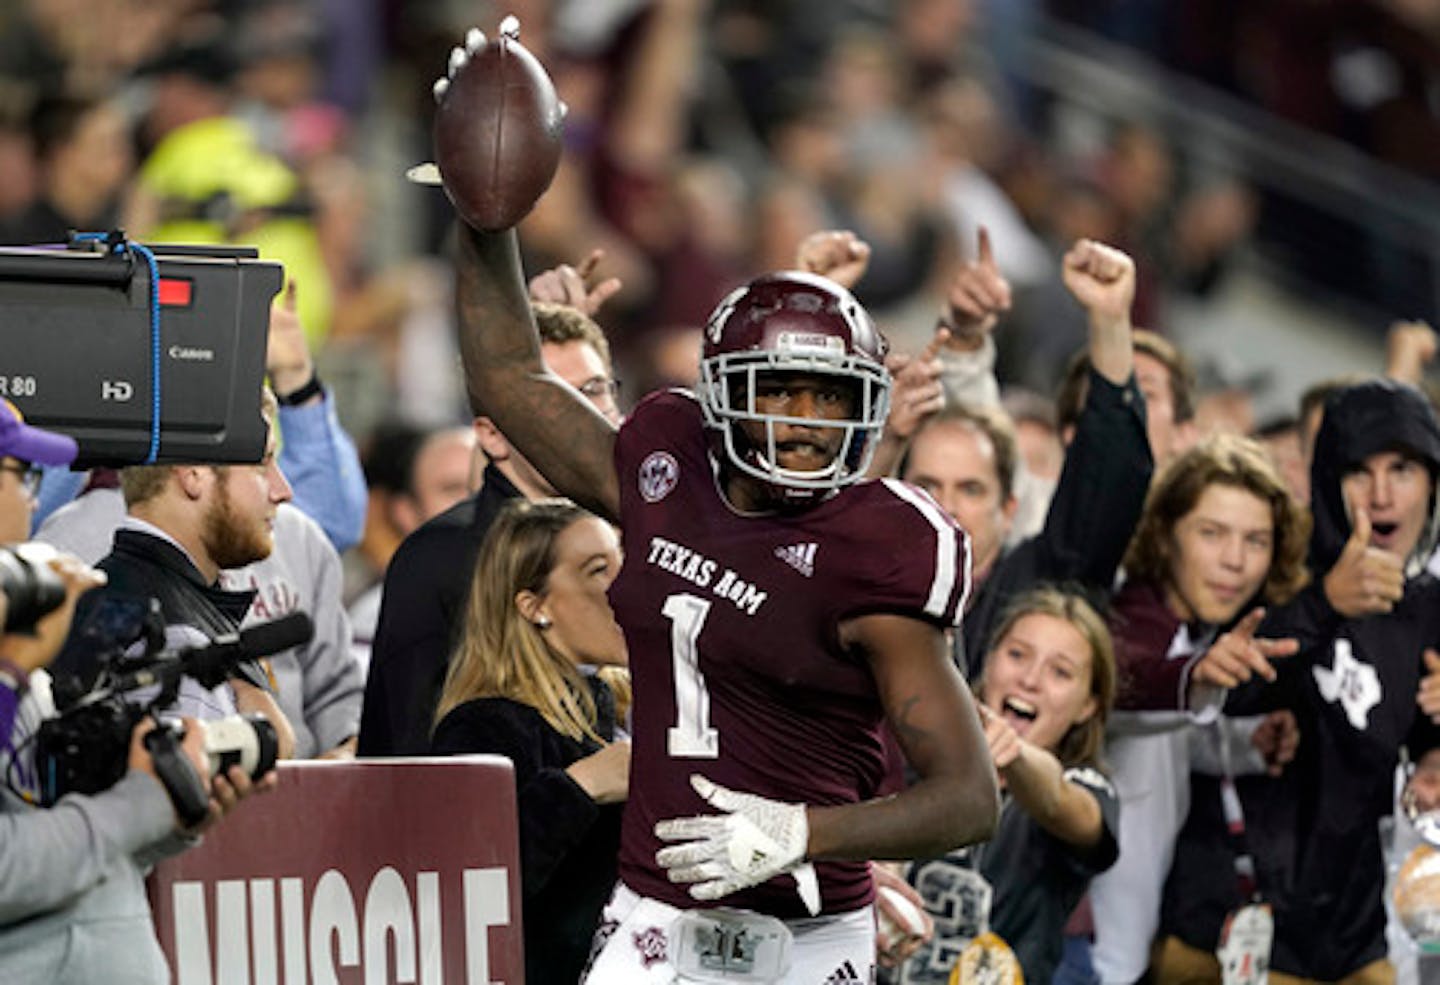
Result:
72,897
184,524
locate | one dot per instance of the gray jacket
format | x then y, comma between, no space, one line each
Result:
73,907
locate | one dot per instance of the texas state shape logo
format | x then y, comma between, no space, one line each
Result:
1350,682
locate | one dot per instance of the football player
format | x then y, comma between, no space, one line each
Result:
778,613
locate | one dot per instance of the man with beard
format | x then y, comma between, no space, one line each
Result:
72,890
184,524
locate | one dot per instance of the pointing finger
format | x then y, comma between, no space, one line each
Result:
588,265
986,253
1286,647
1245,628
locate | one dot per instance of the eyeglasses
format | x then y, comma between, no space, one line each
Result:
600,386
30,475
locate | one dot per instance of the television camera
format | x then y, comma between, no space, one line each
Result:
84,748
142,354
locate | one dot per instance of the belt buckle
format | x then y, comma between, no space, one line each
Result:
729,945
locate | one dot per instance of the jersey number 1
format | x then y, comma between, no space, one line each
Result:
691,736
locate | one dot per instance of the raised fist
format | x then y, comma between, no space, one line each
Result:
1101,278
837,254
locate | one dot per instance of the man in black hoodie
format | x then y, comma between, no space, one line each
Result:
1353,688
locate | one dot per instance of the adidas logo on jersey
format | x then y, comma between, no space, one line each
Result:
801,557
845,973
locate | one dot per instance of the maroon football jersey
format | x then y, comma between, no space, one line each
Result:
732,625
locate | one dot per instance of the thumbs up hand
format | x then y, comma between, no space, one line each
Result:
1365,580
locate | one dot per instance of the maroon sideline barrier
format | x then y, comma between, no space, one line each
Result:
396,870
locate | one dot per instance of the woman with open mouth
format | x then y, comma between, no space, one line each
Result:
1044,698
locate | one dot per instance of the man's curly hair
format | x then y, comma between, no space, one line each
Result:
1228,460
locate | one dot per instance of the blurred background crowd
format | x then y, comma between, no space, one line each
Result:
1266,163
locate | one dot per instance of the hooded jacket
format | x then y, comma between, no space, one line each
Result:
1362,420
1352,687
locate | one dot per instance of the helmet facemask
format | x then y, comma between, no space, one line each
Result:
728,386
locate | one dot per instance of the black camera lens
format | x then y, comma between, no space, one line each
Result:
32,590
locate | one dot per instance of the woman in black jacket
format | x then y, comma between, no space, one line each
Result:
1046,692
539,614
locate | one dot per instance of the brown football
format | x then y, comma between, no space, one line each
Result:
497,135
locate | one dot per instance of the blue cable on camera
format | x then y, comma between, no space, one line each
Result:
122,245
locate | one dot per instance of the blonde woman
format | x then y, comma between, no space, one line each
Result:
518,686
1045,695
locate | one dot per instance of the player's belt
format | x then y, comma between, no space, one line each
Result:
726,945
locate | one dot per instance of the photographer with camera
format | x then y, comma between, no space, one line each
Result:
72,897
184,524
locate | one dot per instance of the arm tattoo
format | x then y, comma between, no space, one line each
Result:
907,730
554,427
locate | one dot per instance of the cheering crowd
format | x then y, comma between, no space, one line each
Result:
910,607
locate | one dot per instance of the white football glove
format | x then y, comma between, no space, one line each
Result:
474,41
428,173
755,840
